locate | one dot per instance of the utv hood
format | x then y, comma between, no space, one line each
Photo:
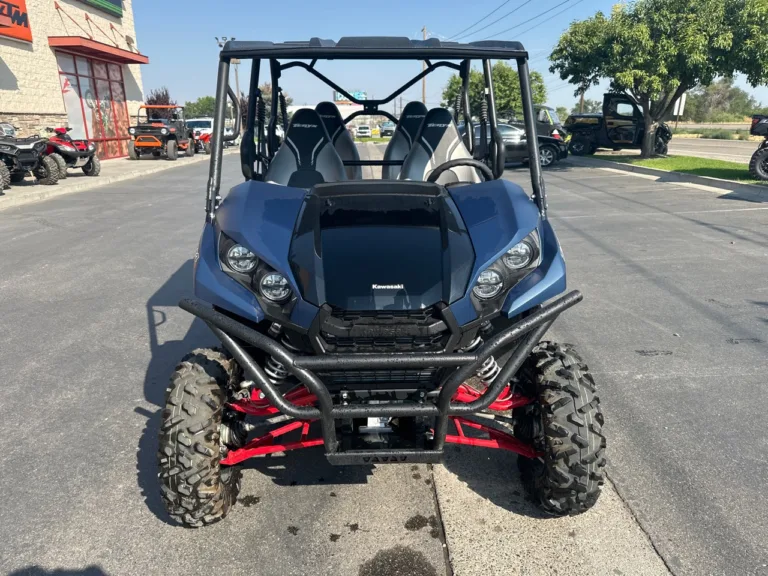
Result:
380,246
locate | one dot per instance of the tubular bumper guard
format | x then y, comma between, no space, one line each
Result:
523,335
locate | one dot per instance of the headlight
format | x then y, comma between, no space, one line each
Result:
519,256
275,287
240,259
131,131
5,148
488,285
164,131
91,146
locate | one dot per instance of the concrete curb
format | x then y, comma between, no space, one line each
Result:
670,176
38,192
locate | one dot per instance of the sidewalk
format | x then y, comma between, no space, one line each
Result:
112,171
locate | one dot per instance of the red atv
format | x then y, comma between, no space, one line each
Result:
203,141
70,153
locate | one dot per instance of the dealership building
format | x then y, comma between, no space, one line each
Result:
71,63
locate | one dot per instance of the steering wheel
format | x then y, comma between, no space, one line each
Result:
471,162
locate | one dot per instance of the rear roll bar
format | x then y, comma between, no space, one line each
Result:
522,335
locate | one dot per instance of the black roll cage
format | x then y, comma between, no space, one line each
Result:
254,158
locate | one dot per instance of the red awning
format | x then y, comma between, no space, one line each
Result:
94,49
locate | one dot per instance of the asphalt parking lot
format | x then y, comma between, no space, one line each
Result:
674,324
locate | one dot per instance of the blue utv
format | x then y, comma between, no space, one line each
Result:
381,318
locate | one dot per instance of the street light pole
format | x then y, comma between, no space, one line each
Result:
423,68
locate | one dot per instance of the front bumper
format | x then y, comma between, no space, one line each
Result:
520,339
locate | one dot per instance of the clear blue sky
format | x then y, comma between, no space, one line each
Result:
188,68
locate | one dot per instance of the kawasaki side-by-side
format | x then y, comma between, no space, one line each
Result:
377,320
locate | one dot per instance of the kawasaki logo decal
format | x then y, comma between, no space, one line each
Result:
387,287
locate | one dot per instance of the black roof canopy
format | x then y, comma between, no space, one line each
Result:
374,48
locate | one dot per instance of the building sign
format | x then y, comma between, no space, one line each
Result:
357,95
114,7
14,20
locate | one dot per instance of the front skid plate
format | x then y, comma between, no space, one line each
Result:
358,457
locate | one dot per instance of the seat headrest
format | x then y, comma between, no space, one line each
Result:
438,126
332,119
305,136
410,120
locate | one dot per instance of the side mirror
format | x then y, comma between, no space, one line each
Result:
48,129
69,128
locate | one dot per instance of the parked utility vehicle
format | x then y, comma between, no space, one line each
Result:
758,164
22,156
160,130
69,153
621,125
384,319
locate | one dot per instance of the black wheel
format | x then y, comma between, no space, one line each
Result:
191,146
580,146
758,164
47,172
5,177
661,147
132,153
207,147
61,164
172,150
195,488
17,177
547,156
92,167
566,425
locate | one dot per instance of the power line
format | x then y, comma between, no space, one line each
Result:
481,19
526,21
553,15
496,21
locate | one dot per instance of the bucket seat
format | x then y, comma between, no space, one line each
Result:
402,140
306,157
340,136
437,142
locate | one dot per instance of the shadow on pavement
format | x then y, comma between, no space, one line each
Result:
492,474
38,571
164,358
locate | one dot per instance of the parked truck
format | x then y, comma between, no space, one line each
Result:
620,126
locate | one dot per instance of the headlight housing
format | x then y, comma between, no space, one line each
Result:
488,284
494,282
131,131
275,287
163,131
241,260
519,256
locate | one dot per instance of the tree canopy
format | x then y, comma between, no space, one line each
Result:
160,97
506,83
590,107
201,108
721,101
654,50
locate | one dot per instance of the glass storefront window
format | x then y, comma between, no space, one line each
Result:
94,97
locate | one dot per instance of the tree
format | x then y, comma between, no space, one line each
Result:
160,97
655,50
266,94
721,101
506,83
203,107
562,112
590,107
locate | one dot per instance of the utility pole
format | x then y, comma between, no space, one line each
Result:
581,102
401,106
424,69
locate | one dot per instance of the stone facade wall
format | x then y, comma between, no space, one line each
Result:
29,81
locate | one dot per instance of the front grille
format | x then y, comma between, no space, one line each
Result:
415,376
384,331
382,344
